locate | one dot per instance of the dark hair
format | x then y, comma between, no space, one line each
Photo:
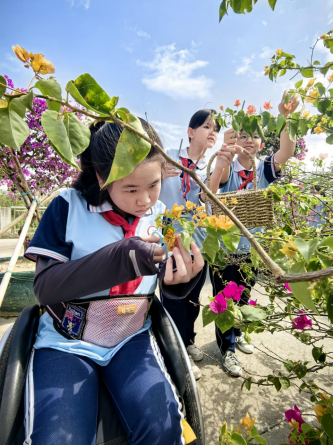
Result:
200,117
99,156
318,188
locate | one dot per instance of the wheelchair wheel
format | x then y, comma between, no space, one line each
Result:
5,345
191,398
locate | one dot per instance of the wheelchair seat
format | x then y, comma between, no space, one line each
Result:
15,350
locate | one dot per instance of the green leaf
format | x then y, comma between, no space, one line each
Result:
316,62
303,127
285,382
211,246
328,242
237,6
20,104
299,83
50,87
223,9
265,118
325,260
87,92
247,384
306,248
276,382
224,321
307,72
235,125
259,130
13,130
131,149
186,240
2,88
329,139
272,4
281,122
259,439
208,315
271,125
323,105
293,128
282,72
318,354
301,290
69,136
327,424
237,439
187,225
252,313
321,88
230,240
255,257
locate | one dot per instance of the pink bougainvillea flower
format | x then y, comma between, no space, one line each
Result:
302,321
251,109
267,106
294,414
219,304
287,287
232,290
323,155
253,302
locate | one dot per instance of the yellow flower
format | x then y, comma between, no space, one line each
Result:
177,210
324,397
266,71
294,424
234,201
221,107
323,119
289,249
190,205
21,53
170,239
278,52
213,221
204,215
298,231
272,60
318,130
41,65
199,209
323,36
247,422
330,78
223,200
166,212
238,430
312,95
320,410
306,114
224,222
310,83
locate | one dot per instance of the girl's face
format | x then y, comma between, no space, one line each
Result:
205,135
252,144
137,193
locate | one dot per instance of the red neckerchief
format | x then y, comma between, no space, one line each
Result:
248,179
130,229
188,163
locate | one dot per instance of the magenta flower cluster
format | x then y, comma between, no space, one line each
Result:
232,290
296,415
302,321
42,168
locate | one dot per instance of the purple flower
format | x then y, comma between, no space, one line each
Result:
253,302
232,290
294,414
287,287
219,304
301,322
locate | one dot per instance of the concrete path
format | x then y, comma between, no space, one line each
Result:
7,247
221,396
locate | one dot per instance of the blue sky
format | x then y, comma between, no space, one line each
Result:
168,59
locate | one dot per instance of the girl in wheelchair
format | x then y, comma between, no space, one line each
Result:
96,275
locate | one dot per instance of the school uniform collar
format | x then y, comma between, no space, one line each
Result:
106,206
202,163
238,167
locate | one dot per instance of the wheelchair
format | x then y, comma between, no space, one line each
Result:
15,350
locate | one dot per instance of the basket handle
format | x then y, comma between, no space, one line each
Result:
244,151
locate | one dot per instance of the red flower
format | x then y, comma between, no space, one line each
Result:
267,106
251,109
237,103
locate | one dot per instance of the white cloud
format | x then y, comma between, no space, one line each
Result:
127,48
143,34
172,74
172,131
14,65
246,61
266,53
84,3
264,23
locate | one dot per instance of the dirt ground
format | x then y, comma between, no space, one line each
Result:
22,265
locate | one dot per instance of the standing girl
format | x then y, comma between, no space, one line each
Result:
180,188
96,276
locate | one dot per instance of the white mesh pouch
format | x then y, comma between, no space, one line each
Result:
109,322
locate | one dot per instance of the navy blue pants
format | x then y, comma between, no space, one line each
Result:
62,389
226,340
184,313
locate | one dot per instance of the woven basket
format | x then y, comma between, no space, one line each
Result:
253,208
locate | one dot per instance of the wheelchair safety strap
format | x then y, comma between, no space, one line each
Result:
188,434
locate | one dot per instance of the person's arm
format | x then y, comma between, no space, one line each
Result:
110,266
287,147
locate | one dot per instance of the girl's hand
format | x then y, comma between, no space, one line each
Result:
186,269
230,137
284,109
159,253
170,172
226,154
